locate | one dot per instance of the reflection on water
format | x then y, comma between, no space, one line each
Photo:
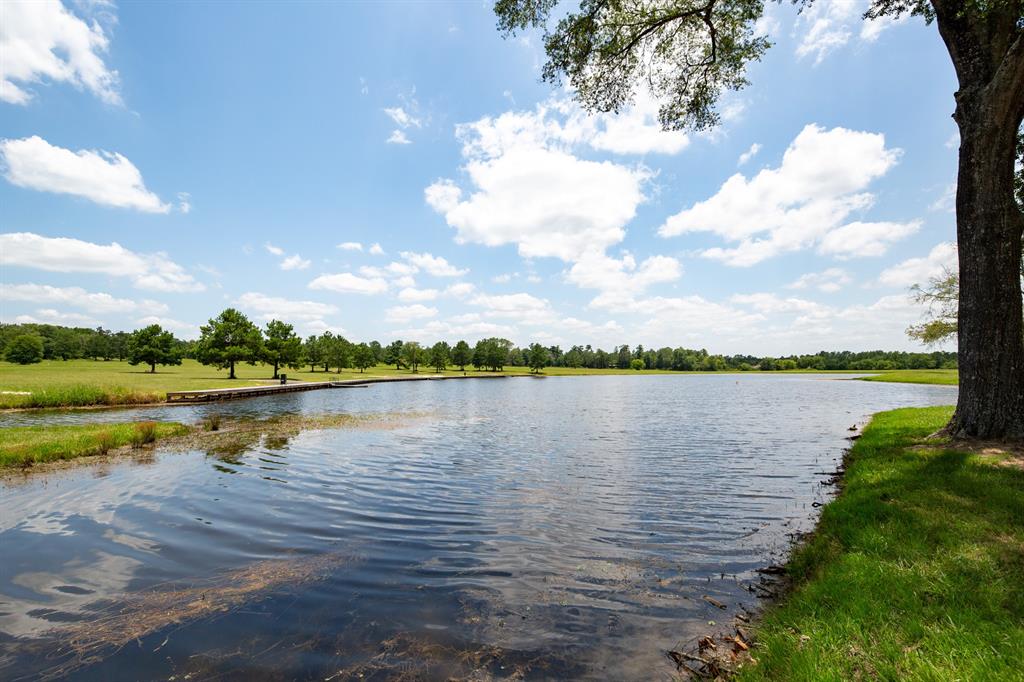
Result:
557,528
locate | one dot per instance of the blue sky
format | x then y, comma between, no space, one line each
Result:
164,161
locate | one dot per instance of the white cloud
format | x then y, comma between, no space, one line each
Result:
820,182
105,178
184,202
411,294
402,118
51,316
398,137
94,302
749,154
274,307
376,250
871,29
828,27
347,283
185,330
828,281
295,262
857,239
407,313
504,278
42,41
620,279
946,202
460,290
433,265
350,246
522,306
63,254
273,250
912,271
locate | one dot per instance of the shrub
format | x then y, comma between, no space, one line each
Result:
145,433
25,349
636,364
213,422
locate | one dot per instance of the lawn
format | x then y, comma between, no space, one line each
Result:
914,572
26,445
946,377
56,383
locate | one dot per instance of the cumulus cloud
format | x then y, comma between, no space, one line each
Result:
350,246
42,41
828,281
155,272
376,249
412,294
106,178
820,183
185,330
432,265
398,137
825,27
295,262
405,313
51,316
913,271
347,283
402,118
273,250
620,279
307,315
749,154
77,297
859,239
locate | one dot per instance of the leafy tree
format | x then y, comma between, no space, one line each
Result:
439,354
152,346
462,355
282,348
312,351
393,354
941,297
636,364
65,344
97,344
363,357
538,357
25,349
378,352
688,52
337,352
412,355
229,338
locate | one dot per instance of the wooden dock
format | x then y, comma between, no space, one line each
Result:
232,393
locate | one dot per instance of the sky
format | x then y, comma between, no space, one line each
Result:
399,170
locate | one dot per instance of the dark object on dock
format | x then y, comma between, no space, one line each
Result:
284,379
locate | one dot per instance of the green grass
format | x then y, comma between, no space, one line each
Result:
915,572
55,383
22,446
946,377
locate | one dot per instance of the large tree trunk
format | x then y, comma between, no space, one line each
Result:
988,53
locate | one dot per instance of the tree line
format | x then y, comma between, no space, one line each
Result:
231,338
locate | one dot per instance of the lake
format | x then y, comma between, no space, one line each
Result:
525,528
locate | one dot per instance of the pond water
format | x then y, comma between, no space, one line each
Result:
564,527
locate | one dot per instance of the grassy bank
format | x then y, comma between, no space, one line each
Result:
945,377
55,383
26,445
915,571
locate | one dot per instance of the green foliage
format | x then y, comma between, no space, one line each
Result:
538,357
393,354
312,352
462,355
913,572
152,346
282,347
25,349
363,357
636,364
228,339
439,354
687,51
22,446
412,355
337,351
492,354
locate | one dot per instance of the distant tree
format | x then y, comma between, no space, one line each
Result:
25,349
412,355
152,346
439,354
119,345
312,352
496,353
393,354
636,364
378,352
538,357
282,347
462,355
363,357
97,344
65,344
623,358
228,339
337,351
574,358
941,296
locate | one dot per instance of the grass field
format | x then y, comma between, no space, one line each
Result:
946,377
26,445
914,572
55,383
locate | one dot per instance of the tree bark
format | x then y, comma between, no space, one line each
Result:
152,368
231,374
275,370
988,54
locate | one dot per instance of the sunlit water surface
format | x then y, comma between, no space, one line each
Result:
564,527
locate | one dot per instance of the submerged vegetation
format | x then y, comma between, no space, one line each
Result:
914,570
